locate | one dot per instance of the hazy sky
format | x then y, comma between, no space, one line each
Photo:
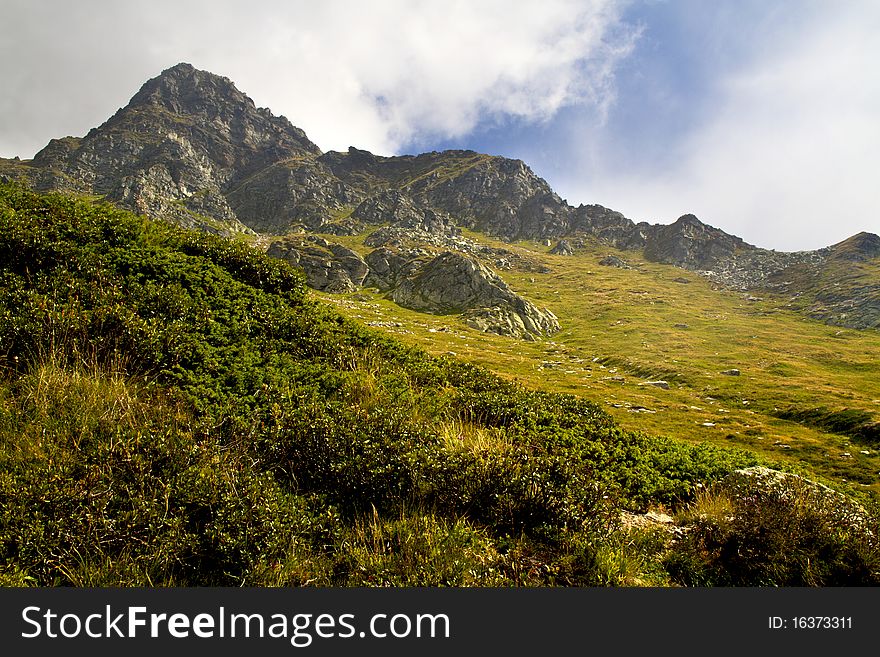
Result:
761,117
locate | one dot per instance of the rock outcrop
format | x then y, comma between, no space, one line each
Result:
389,267
521,320
328,267
858,248
691,244
454,283
761,482
183,141
191,148
563,247
614,261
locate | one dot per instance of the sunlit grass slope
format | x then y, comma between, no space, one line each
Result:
623,329
175,410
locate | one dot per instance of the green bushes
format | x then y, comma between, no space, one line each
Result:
775,530
175,411
104,483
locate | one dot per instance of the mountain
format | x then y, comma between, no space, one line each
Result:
177,409
193,149
176,412
175,151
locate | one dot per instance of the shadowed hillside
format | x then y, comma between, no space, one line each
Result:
173,410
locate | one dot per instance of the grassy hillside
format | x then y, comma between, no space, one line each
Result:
624,328
174,410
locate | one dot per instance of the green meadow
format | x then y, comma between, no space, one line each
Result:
625,328
176,409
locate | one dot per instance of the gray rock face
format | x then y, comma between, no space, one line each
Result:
609,226
524,323
614,261
388,267
453,283
398,209
760,268
691,244
191,148
328,267
300,192
563,247
499,196
181,143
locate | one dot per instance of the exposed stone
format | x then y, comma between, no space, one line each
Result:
858,248
691,244
454,283
609,226
657,384
614,261
760,481
173,152
388,267
563,247
400,211
451,283
191,148
328,267
524,323
731,372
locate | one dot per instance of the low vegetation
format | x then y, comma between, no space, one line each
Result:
625,328
175,410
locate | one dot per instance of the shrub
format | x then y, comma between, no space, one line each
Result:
762,529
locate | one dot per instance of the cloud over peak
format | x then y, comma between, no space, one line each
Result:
379,74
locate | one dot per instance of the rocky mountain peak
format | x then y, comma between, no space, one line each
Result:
688,220
191,95
186,90
861,246
193,149
691,244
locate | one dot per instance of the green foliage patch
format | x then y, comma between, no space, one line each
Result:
174,410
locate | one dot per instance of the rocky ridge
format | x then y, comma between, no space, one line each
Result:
193,149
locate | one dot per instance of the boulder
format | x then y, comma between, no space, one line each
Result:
563,247
524,321
759,482
614,261
390,266
455,283
328,267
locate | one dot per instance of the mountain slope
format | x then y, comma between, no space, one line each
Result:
191,148
182,141
175,411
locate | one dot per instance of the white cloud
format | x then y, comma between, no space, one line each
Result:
790,157
374,74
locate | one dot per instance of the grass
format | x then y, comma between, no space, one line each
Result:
175,410
624,328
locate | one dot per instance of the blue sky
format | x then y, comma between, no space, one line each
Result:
670,90
761,117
